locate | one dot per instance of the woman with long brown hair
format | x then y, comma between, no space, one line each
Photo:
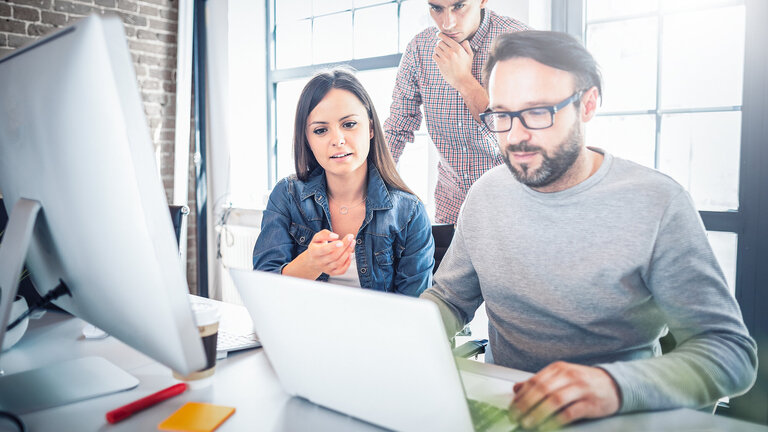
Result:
346,216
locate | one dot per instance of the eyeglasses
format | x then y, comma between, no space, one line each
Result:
531,118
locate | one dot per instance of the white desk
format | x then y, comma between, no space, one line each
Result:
247,382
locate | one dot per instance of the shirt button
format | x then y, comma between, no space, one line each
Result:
359,241
363,270
301,239
319,197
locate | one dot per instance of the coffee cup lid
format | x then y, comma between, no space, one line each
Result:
205,313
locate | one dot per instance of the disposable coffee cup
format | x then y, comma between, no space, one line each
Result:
207,320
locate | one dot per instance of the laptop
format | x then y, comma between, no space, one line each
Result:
380,357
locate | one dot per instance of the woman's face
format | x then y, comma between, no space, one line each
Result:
339,133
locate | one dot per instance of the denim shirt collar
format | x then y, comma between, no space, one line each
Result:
378,197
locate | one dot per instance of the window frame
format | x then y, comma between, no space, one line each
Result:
275,76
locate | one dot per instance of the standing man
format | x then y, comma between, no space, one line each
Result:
441,69
584,259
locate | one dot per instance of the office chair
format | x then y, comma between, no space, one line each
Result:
443,234
178,218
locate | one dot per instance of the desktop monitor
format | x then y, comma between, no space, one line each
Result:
79,180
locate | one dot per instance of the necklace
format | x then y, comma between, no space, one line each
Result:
344,209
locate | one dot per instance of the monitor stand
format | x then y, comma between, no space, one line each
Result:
56,384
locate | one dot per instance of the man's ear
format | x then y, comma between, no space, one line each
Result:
589,104
483,4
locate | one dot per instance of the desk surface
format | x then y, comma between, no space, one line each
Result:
246,381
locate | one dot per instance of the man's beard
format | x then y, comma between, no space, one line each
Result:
552,167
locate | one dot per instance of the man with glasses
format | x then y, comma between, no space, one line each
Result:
440,69
585,260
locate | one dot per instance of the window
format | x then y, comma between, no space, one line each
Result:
369,35
673,81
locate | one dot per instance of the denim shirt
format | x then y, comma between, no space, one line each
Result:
394,250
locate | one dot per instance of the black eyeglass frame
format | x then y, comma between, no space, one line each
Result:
553,109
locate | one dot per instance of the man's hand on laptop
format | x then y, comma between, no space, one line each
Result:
562,393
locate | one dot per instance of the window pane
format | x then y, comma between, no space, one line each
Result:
725,244
414,17
626,53
602,9
332,38
322,7
701,151
703,58
286,98
379,84
361,3
291,10
628,137
293,45
673,5
376,31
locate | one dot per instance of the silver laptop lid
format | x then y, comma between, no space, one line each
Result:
383,358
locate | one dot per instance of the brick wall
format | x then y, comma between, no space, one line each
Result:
150,27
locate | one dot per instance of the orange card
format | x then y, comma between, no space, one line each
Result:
196,417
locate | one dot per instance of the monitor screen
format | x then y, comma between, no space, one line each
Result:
74,138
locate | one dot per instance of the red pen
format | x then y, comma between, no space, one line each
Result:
126,411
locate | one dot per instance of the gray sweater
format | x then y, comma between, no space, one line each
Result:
594,275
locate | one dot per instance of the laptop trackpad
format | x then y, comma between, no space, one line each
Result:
484,388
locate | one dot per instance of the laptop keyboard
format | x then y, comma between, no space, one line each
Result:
234,342
485,415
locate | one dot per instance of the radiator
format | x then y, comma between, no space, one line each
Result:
236,248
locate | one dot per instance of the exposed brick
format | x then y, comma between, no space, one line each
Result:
150,85
3,40
133,19
164,3
12,26
152,48
4,51
16,41
5,10
38,30
146,34
127,5
169,87
141,71
152,110
169,14
151,60
54,19
40,4
73,8
168,26
130,31
145,10
26,14
106,3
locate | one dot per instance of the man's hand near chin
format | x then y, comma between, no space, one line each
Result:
454,60
562,393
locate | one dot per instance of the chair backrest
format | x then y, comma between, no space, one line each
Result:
443,234
178,216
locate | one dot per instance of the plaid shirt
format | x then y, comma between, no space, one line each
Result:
467,149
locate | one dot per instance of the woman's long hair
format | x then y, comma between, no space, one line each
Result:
315,90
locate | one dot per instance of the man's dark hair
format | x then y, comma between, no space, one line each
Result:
558,50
